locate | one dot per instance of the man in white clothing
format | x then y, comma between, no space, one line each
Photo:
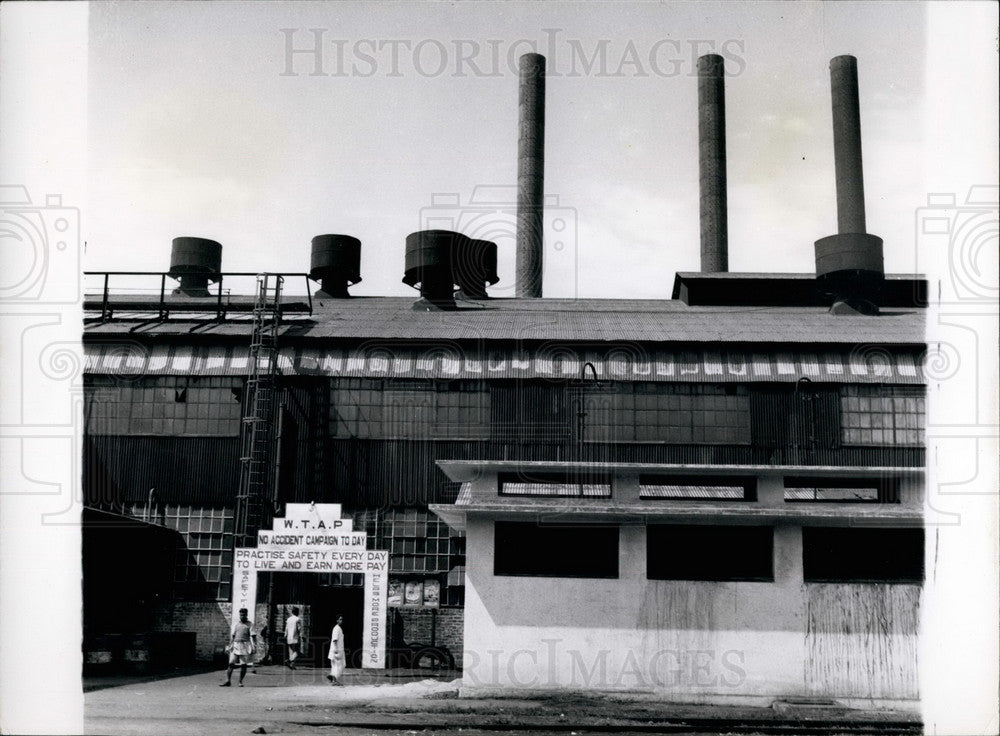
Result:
338,660
293,637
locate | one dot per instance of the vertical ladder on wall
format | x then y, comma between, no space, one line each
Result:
257,434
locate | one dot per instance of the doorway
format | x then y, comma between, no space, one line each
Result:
328,603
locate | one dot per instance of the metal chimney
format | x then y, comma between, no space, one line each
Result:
530,175
849,264
712,163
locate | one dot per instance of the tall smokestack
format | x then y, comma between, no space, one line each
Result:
847,145
712,163
530,175
849,264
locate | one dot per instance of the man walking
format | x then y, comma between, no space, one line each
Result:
293,638
241,649
338,660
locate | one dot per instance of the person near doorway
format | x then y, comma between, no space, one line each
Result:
338,660
241,648
293,637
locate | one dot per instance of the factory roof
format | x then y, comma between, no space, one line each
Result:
577,320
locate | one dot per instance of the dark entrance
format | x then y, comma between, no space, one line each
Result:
328,602
326,596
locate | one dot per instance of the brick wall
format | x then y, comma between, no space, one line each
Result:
209,621
448,624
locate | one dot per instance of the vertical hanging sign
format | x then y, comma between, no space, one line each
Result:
376,601
244,586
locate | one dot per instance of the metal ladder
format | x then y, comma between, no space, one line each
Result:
257,434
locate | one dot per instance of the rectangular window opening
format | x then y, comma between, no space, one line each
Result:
841,490
549,550
696,488
713,553
868,555
555,485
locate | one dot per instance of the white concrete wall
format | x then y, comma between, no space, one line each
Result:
690,640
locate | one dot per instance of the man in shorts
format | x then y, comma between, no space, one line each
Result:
241,649
293,637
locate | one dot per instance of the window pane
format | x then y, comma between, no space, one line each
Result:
887,415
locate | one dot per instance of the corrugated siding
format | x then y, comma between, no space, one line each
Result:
398,472
805,419
304,450
184,470
529,413
450,360
374,472
382,473
389,472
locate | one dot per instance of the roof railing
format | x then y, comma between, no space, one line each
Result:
161,302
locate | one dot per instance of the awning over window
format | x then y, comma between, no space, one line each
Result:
451,362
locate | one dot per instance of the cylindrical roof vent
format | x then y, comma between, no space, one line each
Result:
195,262
475,266
336,263
849,264
428,265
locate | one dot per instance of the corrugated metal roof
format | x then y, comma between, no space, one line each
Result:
453,361
583,320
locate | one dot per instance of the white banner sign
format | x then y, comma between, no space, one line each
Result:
313,538
310,559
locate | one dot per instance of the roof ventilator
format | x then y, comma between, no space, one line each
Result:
194,262
428,267
475,267
336,263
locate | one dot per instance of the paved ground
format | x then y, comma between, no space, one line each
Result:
302,702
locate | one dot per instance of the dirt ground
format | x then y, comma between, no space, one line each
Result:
278,700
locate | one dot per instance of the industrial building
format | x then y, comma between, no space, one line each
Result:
714,496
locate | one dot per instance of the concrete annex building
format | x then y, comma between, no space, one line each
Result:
716,496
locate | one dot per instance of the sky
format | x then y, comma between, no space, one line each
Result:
124,125
220,120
